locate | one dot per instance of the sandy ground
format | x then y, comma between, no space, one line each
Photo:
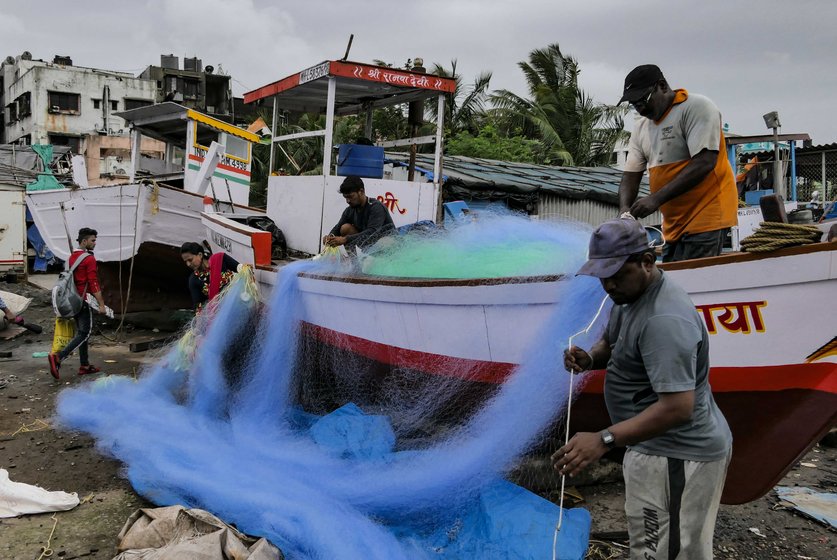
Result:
35,453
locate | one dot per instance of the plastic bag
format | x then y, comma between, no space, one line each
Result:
65,330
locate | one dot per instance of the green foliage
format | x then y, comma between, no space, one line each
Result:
489,144
465,108
573,129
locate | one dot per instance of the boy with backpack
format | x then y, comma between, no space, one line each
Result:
82,263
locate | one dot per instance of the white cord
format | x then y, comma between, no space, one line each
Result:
567,431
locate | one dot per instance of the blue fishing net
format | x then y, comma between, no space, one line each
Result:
228,421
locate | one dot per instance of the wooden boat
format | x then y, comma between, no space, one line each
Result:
773,351
142,224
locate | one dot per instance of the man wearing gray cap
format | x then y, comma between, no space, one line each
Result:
656,353
680,142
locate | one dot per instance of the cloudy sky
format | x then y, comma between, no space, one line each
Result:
749,57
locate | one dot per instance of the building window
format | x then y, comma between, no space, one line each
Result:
114,105
12,107
24,140
136,103
60,102
74,142
97,103
24,105
190,89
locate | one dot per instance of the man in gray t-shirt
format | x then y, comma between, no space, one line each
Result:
656,351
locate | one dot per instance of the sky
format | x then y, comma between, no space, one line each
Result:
749,57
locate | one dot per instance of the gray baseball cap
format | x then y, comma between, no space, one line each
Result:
611,245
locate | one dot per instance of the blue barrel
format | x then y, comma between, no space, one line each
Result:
360,160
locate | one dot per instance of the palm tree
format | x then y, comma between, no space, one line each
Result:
465,107
573,129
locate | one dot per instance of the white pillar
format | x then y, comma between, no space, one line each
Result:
440,126
136,144
329,133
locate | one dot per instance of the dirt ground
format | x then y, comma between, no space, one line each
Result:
35,453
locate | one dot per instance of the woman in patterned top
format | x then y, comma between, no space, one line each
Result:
211,273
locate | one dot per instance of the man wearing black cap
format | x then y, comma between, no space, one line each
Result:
681,144
656,352
365,220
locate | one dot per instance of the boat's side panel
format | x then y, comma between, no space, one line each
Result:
111,210
755,326
125,216
436,321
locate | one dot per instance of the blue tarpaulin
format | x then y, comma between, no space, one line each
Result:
504,521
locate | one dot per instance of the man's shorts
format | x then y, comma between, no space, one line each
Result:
695,246
672,505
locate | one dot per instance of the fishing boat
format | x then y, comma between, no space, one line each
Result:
142,223
774,367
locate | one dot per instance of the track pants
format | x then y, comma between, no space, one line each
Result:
671,505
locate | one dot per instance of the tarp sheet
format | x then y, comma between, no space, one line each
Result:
505,521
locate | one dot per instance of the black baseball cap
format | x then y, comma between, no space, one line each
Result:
639,82
611,245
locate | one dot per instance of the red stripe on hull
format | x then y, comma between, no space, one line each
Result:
433,364
821,376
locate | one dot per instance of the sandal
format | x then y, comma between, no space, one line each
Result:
88,369
54,365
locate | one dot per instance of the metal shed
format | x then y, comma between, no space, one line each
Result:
585,194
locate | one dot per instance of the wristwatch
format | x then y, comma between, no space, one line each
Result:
608,439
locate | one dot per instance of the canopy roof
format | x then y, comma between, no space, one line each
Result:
359,86
165,122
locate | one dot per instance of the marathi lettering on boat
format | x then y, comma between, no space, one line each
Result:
741,317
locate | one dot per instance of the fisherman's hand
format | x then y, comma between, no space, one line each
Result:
335,241
645,206
582,449
577,360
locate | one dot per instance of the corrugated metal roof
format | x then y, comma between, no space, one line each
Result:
477,174
816,149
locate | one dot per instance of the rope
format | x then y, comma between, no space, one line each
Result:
35,426
776,235
567,432
134,257
46,550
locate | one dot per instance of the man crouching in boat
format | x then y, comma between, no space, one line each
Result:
656,351
365,220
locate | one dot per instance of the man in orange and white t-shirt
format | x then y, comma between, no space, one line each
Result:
681,144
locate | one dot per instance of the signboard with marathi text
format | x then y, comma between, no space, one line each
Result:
399,78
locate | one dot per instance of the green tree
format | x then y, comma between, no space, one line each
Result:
489,144
573,129
465,108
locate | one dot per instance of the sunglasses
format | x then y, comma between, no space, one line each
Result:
643,101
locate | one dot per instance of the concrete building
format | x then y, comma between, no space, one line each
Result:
193,86
65,105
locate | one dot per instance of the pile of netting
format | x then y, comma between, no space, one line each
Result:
220,423
490,244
